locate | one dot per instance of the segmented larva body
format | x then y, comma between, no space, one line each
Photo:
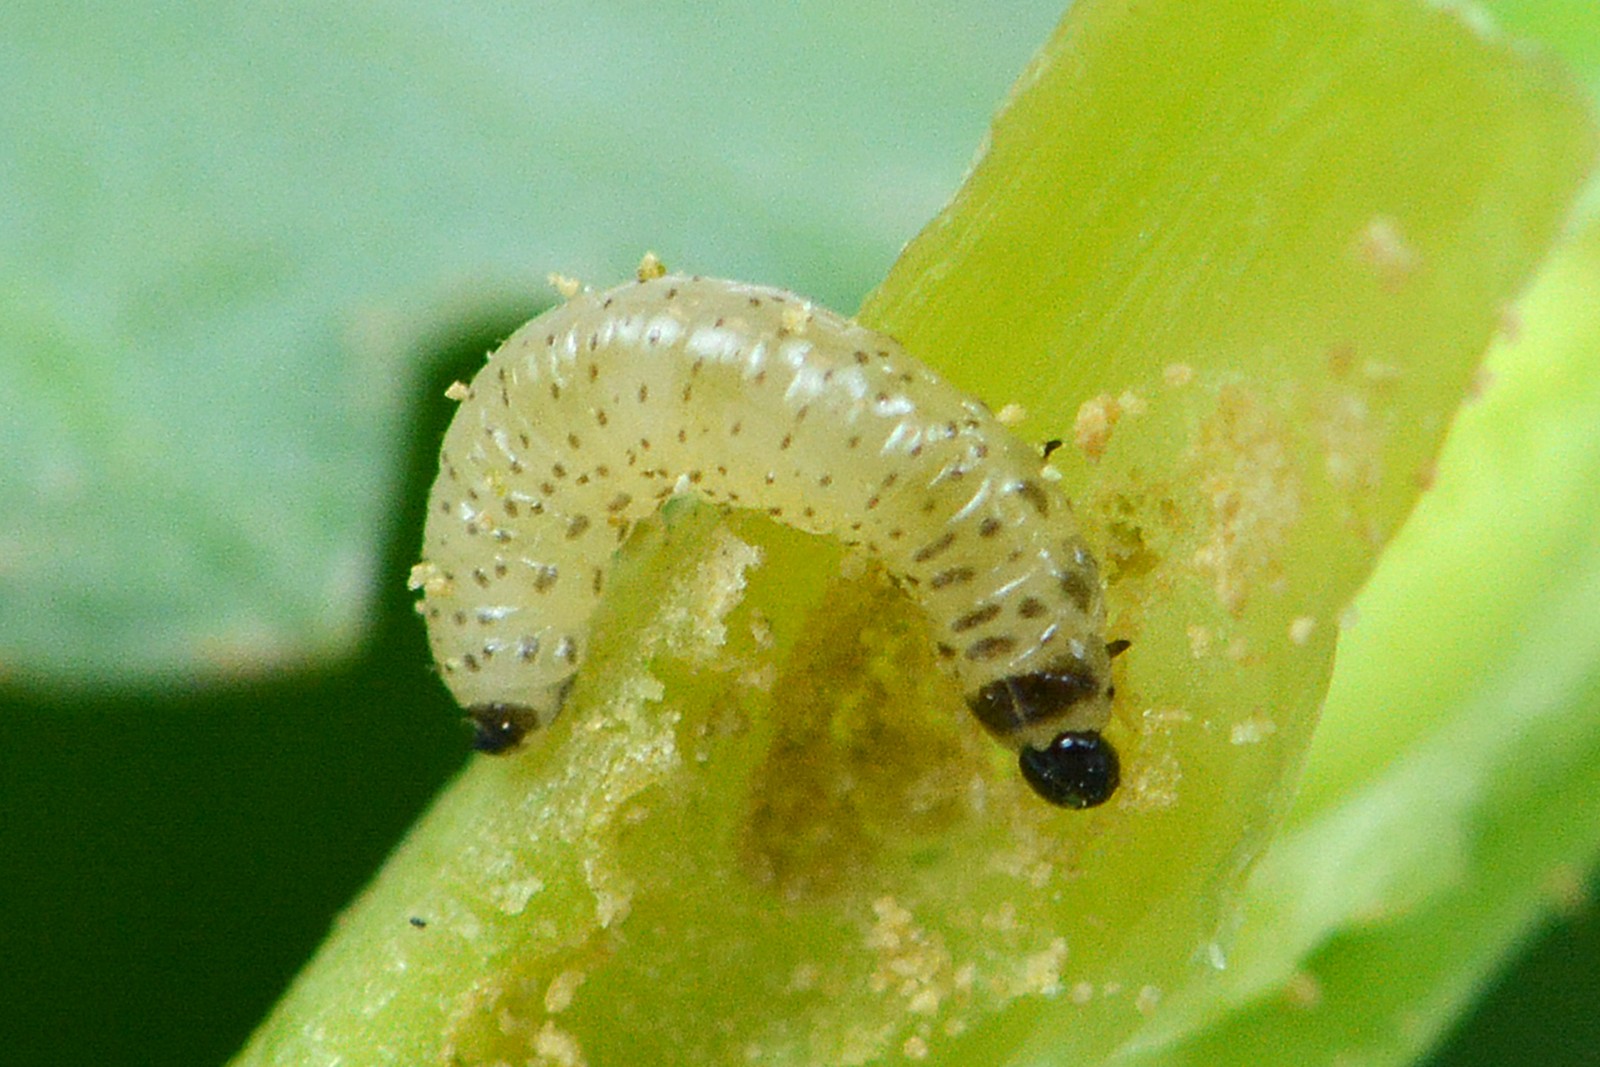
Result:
592,415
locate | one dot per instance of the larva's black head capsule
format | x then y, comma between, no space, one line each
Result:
498,728
1079,769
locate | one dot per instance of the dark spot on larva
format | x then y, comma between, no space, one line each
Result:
1077,590
498,728
600,416
801,412
697,476
854,441
945,651
775,512
544,577
735,429
1009,705
1117,647
760,378
598,581
460,618
687,392
770,478
418,921
683,435
618,502
555,391
527,647
695,367
472,494
644,393
1030,608
934,548
608,301
953,576
672,293
1051,445
755,301
549,340
861,357
510,508
644,444
472,529
479,576
500,568
576,526
916,450
547,489
1035,495
567,650
558,470
889,480
788,439
872,502
991,648
896,534
470,662
973,619
444,507
811,513
990,526
602,471
516,466
825,481
573,441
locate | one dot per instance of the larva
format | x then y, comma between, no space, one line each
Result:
592,415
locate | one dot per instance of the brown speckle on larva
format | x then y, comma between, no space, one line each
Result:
788,409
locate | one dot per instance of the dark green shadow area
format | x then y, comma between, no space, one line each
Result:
1545,1007
169,861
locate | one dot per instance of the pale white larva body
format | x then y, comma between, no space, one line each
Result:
592,415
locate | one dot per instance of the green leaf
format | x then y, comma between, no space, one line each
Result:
750,838
1450,801
228,234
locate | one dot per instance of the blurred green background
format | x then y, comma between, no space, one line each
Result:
174,845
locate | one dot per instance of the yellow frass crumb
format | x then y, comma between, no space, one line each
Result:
1097,418
563,987
650,267
1011,415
